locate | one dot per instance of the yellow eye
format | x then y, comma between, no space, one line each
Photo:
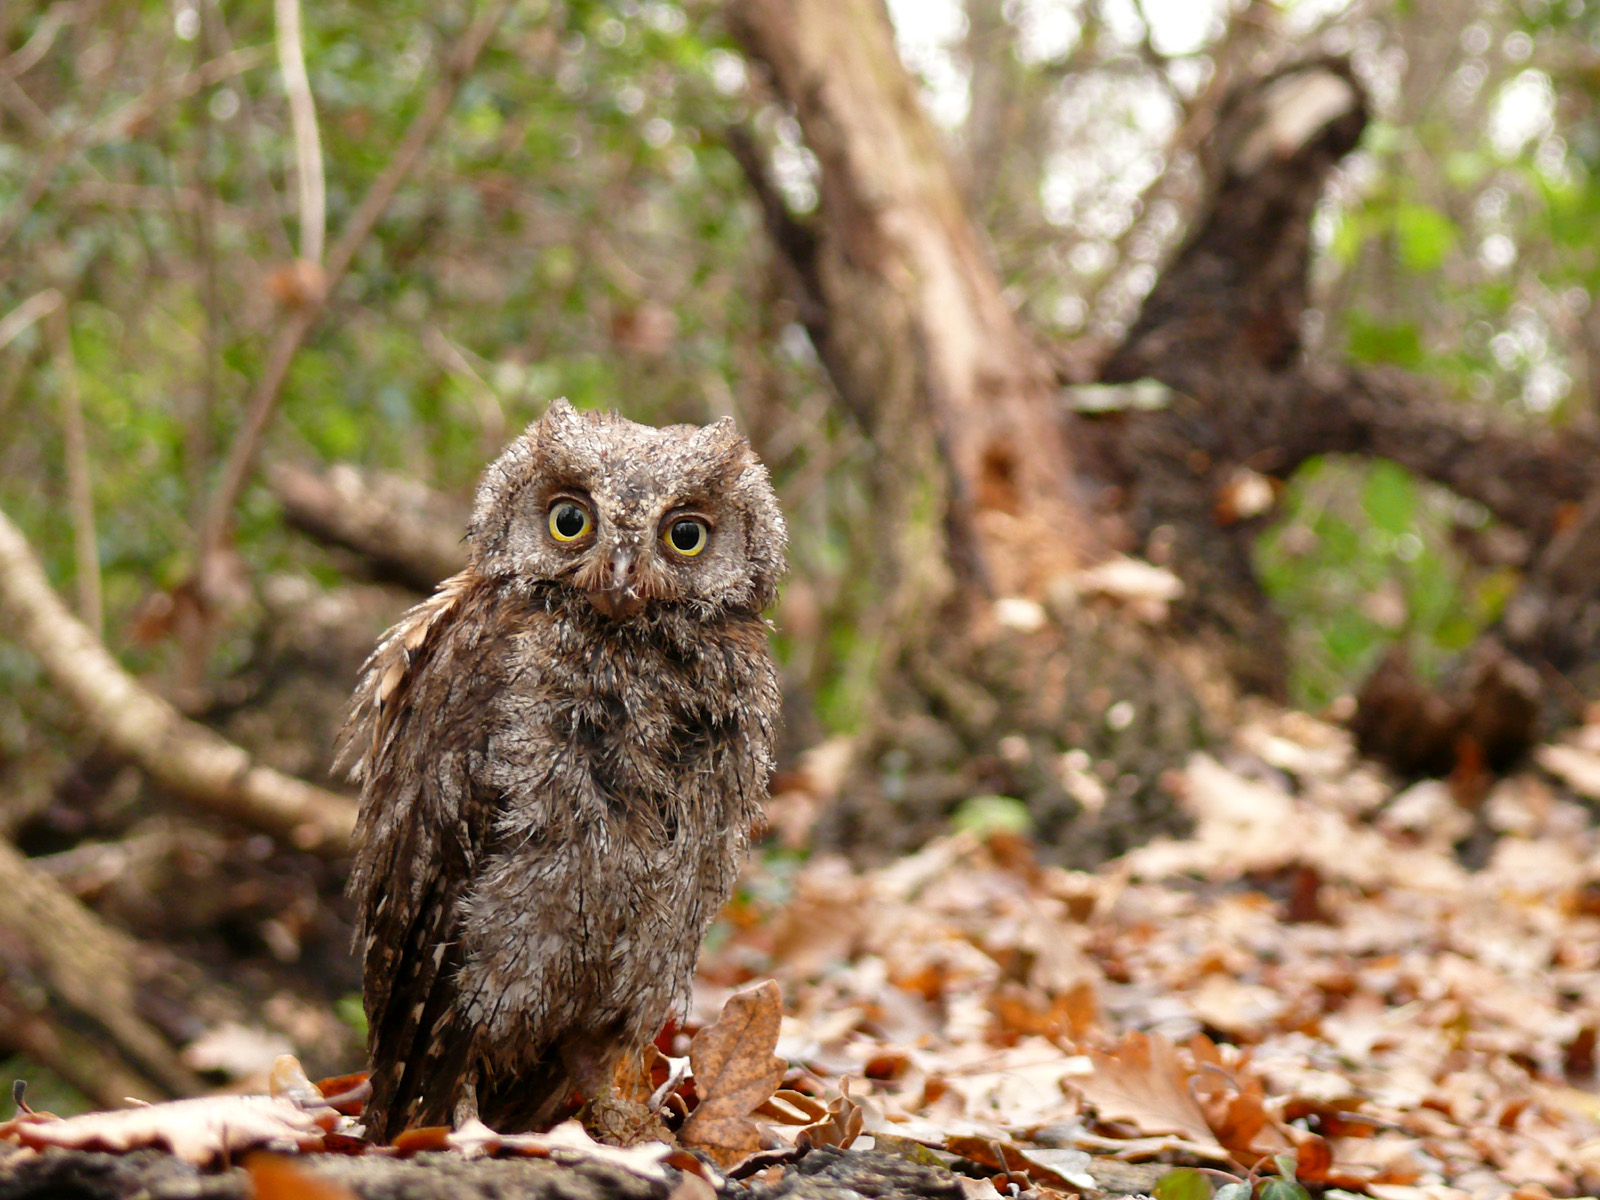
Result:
568,521
687,535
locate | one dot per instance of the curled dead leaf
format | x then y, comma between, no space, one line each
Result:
735,1072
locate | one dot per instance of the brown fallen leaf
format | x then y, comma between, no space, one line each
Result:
839,1124
198,1131
276,1177
634,1076
735,1071
1142,1081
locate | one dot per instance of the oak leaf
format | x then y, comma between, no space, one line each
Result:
1142,1081
735,1072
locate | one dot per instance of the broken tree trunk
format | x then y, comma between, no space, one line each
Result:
1221,328
993,659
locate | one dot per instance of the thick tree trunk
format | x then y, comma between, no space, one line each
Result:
1000,663
906,308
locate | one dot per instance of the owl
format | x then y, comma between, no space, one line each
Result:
560,756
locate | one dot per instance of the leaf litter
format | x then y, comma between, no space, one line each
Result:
1311,990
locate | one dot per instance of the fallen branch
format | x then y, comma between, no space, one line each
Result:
200,765
89,1031
405,530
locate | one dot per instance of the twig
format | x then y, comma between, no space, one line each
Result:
28,54
195,762
269,386
22,317
307,141
80,494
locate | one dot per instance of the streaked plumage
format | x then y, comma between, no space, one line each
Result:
560,756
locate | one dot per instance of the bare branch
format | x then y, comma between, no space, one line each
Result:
264,397
205,768
23,316
307,141
401,527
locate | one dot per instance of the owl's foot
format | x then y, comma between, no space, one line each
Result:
616,1121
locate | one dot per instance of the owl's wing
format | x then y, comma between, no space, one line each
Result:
417,724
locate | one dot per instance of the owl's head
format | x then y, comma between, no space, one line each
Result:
631,515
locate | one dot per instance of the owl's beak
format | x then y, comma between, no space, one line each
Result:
618,599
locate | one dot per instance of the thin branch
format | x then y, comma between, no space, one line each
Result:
28,55
23,316
264,396
191,760
80,493
75,141
307,141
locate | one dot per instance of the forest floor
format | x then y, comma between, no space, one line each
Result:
1314,972
1354,985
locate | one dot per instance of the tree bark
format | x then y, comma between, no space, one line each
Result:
403,530
994,663
906,308
88,1028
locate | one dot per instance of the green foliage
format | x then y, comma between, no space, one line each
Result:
1281,1189
576,228
1363,556
1182,1183
983,815
348,1009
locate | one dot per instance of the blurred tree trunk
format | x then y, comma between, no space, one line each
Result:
984,524
1001,664
905,306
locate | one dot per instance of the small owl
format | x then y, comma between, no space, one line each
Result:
560,757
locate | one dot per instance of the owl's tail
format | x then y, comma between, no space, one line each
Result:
537,1097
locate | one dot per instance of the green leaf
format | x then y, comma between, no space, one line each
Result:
1425,235
1233,1191
1390,499
1283,1189
1182,1183
984,815
349,1010
1375,341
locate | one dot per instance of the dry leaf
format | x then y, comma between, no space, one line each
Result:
1143,1082
275,1177
566,1143
198,1131
839,1124
735,1072
634,1076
